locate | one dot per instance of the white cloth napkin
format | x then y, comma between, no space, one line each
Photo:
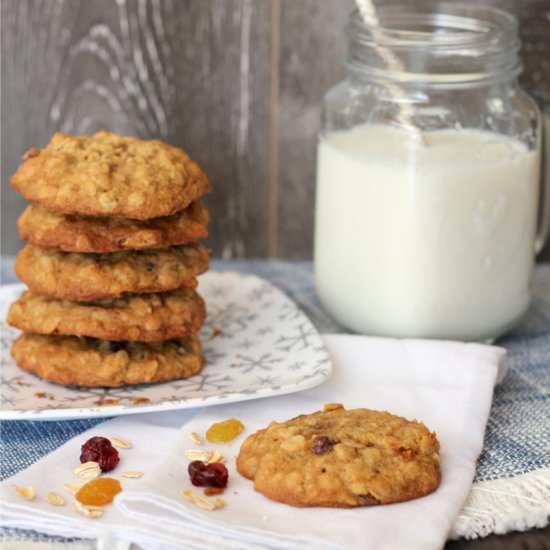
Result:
446,385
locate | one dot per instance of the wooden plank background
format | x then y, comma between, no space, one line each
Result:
236,83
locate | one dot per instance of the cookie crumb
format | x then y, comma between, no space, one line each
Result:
333,407
106,402
210,491
140,400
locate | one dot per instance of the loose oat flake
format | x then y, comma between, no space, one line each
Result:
120,442
201,501
132,474
26,492
88,470
204,456
73,487
55,499
216,457
88,511
196,438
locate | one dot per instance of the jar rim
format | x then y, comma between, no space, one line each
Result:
438,30
455,24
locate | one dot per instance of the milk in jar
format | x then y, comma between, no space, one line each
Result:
428,176
425,239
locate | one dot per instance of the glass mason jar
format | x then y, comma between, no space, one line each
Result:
428,176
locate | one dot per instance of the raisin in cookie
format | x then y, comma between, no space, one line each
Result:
86,277
70,233
142,317
110,175
89,362
342,458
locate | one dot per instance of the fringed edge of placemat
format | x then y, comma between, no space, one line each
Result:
514,504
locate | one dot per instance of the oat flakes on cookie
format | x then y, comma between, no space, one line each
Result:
87,277
110,175
91,362
143,317
73,233
342,458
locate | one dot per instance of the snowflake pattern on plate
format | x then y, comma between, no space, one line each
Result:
257,343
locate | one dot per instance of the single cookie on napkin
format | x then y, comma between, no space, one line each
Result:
342,458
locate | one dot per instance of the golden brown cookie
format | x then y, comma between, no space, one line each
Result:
87,277
48,229
142,317
89,362
110,175
342,458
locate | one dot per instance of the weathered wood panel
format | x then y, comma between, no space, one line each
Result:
312,44
35,37
191,72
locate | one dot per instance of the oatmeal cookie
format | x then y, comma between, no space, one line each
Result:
48,229
86,277
142,317
342,458
90,362
110,175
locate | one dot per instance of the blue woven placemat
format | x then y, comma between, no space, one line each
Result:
518,430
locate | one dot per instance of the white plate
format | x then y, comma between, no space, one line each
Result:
256,341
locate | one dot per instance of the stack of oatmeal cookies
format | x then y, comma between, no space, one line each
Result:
111,263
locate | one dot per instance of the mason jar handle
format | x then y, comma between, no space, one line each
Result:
544,225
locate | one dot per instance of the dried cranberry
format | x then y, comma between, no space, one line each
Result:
203,474
322,444
99,449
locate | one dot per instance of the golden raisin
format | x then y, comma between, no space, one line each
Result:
99,491
220,432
